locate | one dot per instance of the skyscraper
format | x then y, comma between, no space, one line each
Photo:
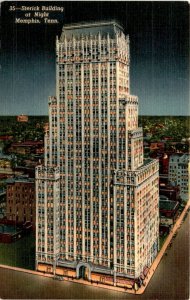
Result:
97,198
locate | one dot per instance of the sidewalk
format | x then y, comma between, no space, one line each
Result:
163,249
119,289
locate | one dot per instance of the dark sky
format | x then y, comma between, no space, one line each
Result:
159,46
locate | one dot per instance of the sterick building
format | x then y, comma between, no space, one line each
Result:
97,198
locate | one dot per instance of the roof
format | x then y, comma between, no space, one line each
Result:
23,179
27,144
146,162
93,28
6,137
168,188
5,157
180,158
168,205
163,198
185,158
3,176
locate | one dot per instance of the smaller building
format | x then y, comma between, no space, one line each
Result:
20,200
171,192
5,165
22,118
179,172
168,211
6,137
27,147
157,146
2,203
163,160
164,164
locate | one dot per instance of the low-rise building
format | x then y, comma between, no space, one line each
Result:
22,118
163,160
20,200
6,137
27,147
168,211
156,146
171,192
2,203
164,164
5,163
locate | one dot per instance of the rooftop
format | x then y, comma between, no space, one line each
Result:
185,158
168,204
180,158
23,179
93,28
163,198
27,144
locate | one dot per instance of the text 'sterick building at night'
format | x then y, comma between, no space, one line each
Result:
97,198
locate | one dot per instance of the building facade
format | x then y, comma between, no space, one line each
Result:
97,198
22,118
21,200
179,173
2,203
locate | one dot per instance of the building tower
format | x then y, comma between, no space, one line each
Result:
97,198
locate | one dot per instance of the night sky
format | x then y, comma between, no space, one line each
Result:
159,47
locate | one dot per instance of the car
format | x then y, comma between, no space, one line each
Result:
60,278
